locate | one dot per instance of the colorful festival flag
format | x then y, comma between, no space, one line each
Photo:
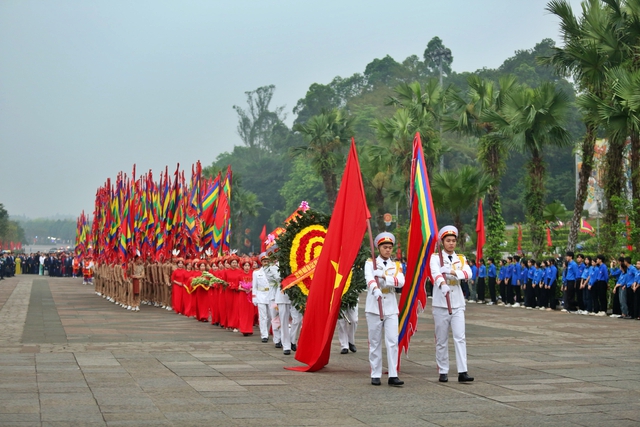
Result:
342,243
423,231
585,227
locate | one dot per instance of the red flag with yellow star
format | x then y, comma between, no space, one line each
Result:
341,245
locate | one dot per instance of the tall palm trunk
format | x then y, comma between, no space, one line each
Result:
612,188
635,184
534,201
462,237
588,151
330,183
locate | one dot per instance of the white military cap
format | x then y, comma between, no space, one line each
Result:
385,237
262,255
448,230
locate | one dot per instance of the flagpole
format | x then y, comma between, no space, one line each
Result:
375,266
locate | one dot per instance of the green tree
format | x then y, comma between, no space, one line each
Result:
326,136
257,122
530,120
469,117
457,192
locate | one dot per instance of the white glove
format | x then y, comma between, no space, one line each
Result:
445,269
377,293
378,273
445,289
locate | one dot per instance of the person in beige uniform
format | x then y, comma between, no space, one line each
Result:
447,270
383,277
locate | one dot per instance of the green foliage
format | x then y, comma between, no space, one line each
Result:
285,241
495,233
303,184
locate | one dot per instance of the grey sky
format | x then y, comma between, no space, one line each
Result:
88,88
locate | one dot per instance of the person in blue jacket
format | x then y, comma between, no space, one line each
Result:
571,276
579,289
600,286
529,281
539,281
593,274
584,266
513,290
491,278
502,277
550,285
472,282
482,281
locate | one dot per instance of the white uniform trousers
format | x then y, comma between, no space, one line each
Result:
275,322
347,327
289,335
443,321
264,319
390,326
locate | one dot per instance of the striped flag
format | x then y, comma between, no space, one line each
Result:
423,232
585,227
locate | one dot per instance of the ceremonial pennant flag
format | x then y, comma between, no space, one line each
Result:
342,243
423,232
263,239
549,242
519,237
481,239
585,227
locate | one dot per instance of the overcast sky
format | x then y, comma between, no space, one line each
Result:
88,88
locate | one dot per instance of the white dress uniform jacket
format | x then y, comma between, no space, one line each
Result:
393,278
459,268
261,287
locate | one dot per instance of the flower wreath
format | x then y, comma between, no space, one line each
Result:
300,243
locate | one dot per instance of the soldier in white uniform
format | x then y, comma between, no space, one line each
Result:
285,310
347,326
383,279
260,296
447,269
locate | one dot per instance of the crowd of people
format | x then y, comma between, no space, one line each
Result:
59,264
578,284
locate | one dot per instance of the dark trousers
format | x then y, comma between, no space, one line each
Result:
465,288
586,299
539,291
480,289
570,301
631,303
616,309
492,289
579,295
503,291
518,294
544,296
636,304
600,296
529,294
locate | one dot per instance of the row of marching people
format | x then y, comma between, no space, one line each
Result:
231,292
129,285
236,293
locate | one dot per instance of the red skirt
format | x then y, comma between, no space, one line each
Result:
246,311
176,298
231,307
189,304
201,297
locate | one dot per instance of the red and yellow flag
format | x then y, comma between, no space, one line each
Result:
342,243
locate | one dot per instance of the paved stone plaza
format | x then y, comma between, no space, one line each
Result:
69,357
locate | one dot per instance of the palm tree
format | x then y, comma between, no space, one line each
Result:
530,120
468,117
326,135
582,59
458,191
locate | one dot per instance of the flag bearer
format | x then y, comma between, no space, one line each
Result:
447,269
383,277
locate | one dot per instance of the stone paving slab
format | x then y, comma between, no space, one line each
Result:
69,357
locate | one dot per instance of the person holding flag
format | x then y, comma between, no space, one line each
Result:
383,277
447,269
